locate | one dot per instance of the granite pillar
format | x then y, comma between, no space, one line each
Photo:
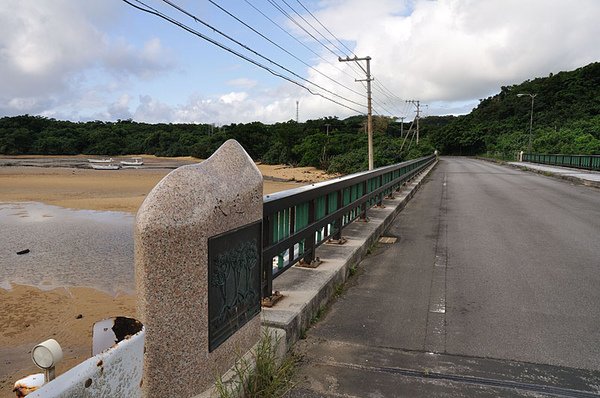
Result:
188,207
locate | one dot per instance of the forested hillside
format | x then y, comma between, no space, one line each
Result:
328,143
566,118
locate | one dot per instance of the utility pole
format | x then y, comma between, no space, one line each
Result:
402,125
369,111
297,102
531,119
326,142
417,103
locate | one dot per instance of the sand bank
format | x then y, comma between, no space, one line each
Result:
29,315
119,190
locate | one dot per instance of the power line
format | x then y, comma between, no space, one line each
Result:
328,31
392,98
291,18
282,48
254,51
315,29
297,40
352,66
173,21
379,86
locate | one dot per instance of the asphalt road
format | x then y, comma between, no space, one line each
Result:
492,289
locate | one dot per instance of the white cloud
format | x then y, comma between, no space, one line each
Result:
243,82
121,57
267,106
449,53
47,50
153,111
233,97
459,50
120,108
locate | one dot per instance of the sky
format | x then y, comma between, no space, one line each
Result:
106,60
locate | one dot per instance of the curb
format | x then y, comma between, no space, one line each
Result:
575,180
307,291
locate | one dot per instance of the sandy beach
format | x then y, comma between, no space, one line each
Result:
30,315
118,190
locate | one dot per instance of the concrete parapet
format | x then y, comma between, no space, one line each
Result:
174,224
307,290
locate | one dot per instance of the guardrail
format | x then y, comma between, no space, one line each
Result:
588,162
297,221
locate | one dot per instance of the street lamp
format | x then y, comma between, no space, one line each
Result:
531,119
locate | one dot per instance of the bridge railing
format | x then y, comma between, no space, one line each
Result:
297,221
588,162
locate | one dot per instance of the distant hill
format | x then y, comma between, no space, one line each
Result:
566,118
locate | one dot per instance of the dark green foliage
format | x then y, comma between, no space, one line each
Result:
565,119
329,143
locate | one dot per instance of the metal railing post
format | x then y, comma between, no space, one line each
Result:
309,247
267,263
363,207
337,225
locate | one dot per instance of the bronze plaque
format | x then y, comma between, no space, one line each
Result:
234,264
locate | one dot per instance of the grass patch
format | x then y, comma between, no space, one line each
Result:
262,375
352,270
317,317
371,249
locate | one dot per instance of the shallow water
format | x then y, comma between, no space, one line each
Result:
67,247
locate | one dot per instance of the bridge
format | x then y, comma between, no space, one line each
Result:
491,289
485,282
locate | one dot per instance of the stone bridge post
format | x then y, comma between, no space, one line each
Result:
197,265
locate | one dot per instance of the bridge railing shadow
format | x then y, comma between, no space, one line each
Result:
297,221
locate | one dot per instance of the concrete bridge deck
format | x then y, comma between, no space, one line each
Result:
491,289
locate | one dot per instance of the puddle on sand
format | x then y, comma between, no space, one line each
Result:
66,247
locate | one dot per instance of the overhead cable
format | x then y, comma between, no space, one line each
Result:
157,13
297,40
282,48
256,52
328,31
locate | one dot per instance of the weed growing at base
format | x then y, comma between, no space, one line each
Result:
263,375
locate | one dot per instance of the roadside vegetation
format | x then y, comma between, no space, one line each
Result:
263,375
341,150
566,119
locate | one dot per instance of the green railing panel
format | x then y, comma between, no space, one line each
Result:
301,222
276,225
332,202
301,216
291,223
588,162
320,208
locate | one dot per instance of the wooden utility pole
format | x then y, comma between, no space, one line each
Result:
417,103
369,111
402,125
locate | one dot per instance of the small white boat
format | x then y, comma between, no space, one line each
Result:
106,166
133,162
104,160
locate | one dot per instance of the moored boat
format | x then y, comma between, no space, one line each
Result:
105,166
133,162
103,160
